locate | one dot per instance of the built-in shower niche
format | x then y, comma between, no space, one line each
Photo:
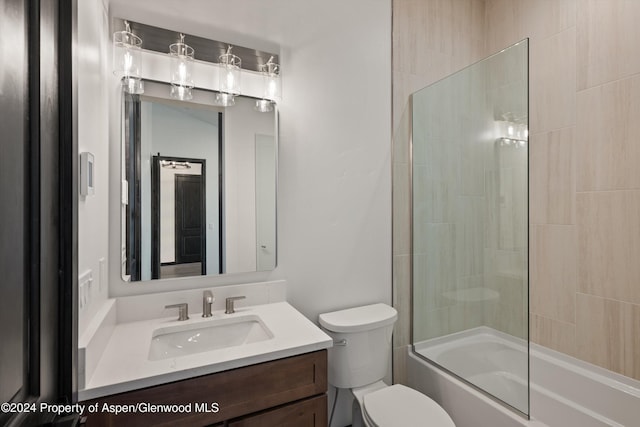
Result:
469,142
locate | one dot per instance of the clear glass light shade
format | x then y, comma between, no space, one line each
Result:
225,99
133,85
182,93
229,77
271,81
127,54
264,106
181,64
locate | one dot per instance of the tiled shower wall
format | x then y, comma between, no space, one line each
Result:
584,158
431,39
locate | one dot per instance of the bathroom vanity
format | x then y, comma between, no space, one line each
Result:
284,392
262,365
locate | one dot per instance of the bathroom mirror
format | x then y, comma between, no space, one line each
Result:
199,186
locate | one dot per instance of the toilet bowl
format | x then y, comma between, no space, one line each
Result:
359,360
398,405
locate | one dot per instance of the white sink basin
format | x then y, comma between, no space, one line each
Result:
182,340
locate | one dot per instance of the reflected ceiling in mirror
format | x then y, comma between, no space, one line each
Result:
200,192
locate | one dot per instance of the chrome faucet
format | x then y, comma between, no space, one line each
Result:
207,301
183,310
230,309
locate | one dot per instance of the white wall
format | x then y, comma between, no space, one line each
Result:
93,136
334,205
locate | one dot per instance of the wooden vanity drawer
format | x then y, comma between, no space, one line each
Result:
238,392
310,412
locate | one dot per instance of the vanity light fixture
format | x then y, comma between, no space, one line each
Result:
229,78
271,86
172,164
127,61
181,69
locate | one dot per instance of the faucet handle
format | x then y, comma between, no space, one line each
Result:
183,310
230,309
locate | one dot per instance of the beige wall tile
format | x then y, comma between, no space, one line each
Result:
509,288
553,82
468,236
552,184
465,315
406,21
559,336
607,132
540,19
401,208
431,323
435,272
553,263
580,142
400,365
507,318
607,46
608,334
609,244
596,51
431,39
438,26
629,36
401,136
402,298
509,21
400,97
502,27
467,31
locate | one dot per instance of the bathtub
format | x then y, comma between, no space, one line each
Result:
564,392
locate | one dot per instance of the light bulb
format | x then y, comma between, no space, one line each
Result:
272,89
182,71
230,79
182,56
229,74
128,62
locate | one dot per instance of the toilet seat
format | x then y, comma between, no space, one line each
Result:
398,405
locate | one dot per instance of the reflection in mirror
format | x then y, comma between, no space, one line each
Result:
199,191
178,215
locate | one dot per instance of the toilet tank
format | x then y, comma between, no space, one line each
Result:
362,344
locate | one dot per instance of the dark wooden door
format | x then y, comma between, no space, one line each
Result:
38,214
189,219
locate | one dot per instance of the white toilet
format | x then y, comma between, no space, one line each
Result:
359,360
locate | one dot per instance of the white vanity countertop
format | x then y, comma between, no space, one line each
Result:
125,366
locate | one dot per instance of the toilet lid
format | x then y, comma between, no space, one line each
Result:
398,405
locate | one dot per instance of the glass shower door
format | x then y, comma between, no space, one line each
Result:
470,225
